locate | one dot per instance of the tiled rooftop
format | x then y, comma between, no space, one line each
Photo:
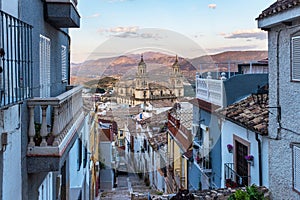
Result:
162,104
279,6
158,140
251,113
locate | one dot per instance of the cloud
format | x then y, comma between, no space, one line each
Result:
120,29
129,32
232,48
138,35
246,34
92,16
197,35
212,5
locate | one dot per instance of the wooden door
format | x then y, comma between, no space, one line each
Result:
242,170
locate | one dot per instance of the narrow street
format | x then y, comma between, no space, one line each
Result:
126,184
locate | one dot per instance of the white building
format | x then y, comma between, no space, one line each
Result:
42,122
244,131
281,20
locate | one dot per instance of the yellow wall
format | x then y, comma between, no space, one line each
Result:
94,149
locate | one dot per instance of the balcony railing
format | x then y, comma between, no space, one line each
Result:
232,179
60,117
15,60
202,159
210,90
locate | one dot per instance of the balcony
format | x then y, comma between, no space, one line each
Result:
202,159
50,140
210,90
16,60
62,13
232,179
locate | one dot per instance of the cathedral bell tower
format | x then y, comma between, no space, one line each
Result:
141,75
141,84
176,79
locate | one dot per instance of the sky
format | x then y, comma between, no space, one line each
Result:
189,28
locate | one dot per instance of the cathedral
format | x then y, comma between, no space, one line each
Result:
142,89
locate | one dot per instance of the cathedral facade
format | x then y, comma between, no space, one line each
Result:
142,89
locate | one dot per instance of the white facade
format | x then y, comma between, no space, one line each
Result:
230,130
10,124
159,179
11,7
284,99
106,173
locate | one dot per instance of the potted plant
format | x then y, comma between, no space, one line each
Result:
250,159
198,158
229,148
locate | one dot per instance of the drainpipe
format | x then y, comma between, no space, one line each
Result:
278,117
259,159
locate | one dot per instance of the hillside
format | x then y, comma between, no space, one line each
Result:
106,82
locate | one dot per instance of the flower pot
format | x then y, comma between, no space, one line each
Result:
251,162
229,148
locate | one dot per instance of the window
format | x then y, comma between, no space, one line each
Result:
85,158
296,168
44,66
63,63
121,142
46,188
79,157
295,58
121,133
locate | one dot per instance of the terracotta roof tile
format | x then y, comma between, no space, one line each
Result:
188,153
250,113
279,6
158,141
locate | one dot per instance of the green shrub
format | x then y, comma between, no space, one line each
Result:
251,193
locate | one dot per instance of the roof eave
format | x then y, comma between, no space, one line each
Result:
245,126
270,21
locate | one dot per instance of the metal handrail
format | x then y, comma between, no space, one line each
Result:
15,60
236,180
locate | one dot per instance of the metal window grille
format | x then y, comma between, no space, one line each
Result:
15,60
296,167
296,58
63,63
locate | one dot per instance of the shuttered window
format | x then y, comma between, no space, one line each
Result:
44,66
296,58
63,63
296,168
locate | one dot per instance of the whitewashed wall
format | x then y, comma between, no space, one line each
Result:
76,176
11,7
12,181
228,130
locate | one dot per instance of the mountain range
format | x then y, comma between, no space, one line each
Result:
159,64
